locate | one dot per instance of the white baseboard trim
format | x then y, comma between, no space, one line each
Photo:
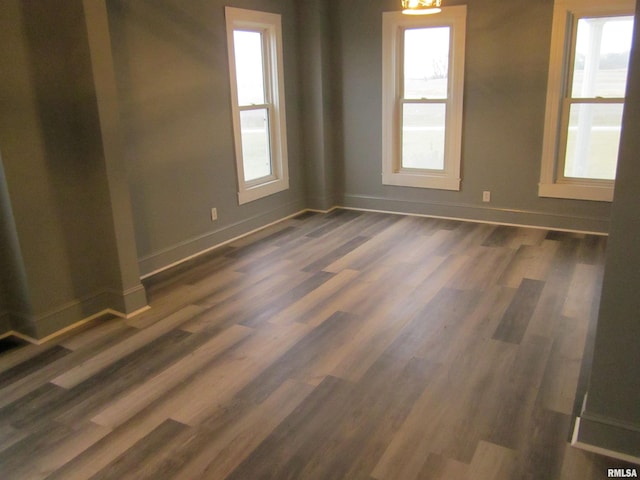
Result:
220,244
478,214
342,207
40,341
590,436
43,327
315,210
471,220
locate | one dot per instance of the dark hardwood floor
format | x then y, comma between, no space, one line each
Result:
345,345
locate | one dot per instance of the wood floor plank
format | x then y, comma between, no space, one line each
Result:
583,287
216,386
592,249
541,454
126,407
309,360
377,417
84,401
24,385
186,273
218,455
10,436
108,330
515,321
44,452
248,246
142,457
483,269
410,348
333,220
346,299
98,362
440,277
32,365
510,423
560,383
530,261
445,312
299,311
281,300
392,272
185,296
420,249
493,462
98,455
280,454
479,373
381,327
25,412
556,287
465,236
514,237
367,253
336,253
450,425
235,306
437,467
358,413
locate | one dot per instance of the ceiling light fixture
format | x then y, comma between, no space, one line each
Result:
421,7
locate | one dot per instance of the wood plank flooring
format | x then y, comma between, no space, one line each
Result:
347,345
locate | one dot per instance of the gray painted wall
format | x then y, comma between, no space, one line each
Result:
507,59
14,296
173,82
67,232
55,168
5,256
5,321
320,92
612,415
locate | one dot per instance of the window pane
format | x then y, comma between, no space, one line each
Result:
423,135
249,67
593,140
426,62
256,151
602,57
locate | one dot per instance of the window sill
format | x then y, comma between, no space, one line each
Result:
598,193
417,180
263,190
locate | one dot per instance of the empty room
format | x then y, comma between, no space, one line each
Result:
319,239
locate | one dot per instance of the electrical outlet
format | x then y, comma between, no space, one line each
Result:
214,214
486,196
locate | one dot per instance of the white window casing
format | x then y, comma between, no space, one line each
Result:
554,182
251,185
395,24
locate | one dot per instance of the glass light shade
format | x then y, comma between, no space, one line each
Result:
421,7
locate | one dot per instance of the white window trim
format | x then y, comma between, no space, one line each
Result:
551,183
270,25
393,25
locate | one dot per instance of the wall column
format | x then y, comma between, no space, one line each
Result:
610,421
317,97
131,297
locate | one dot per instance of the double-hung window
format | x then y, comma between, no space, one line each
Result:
255,64
590,48
423,79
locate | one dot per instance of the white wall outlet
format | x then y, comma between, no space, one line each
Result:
214,214
486,196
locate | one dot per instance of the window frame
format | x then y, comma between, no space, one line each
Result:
394,25
270,26
553,182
